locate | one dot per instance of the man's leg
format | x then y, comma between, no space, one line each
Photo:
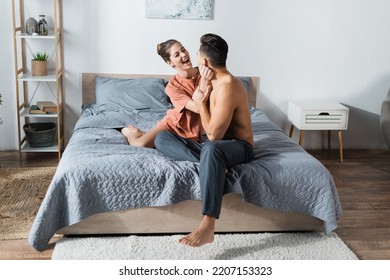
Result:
215,157
176,147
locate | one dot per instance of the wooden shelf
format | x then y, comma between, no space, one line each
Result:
30,78
23,92
27,36
26,114
28,149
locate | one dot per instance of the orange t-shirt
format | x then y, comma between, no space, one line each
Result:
183,122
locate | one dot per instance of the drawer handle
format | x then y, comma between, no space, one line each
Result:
323,114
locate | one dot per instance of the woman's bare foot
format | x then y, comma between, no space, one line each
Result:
204,234
132,133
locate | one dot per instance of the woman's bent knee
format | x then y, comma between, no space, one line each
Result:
162,138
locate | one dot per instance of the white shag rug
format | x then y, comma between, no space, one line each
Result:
260,246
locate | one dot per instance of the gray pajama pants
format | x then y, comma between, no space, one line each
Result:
214,157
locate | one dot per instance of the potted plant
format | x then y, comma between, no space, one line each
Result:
39,64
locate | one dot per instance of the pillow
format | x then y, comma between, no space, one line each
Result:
248,84
246,81
137,93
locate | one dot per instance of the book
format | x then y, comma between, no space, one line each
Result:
47,106
34,109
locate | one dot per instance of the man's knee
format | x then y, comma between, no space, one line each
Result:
212,148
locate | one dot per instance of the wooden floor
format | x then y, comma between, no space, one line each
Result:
362,180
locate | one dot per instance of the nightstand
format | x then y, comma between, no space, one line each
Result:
318,115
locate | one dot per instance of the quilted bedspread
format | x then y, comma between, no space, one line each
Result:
99,172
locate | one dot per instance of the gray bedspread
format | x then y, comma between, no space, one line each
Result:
99,172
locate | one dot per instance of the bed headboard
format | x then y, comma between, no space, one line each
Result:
88,84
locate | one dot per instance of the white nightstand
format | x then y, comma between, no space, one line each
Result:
318,115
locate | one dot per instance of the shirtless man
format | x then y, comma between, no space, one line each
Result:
225,118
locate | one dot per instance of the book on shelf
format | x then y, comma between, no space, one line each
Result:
47,106
34,109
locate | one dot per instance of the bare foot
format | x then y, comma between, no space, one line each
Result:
204,234
132,133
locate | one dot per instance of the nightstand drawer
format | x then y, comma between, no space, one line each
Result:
318,115
324,119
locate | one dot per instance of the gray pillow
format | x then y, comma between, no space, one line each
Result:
137,93
246,81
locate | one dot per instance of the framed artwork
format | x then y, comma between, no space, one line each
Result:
179,9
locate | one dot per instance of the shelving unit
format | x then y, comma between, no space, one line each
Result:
25,80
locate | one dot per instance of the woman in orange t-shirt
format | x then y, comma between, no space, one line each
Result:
184,118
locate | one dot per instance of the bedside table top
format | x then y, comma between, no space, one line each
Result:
318,105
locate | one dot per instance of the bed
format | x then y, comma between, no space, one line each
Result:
104,186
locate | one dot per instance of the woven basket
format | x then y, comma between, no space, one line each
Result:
38,68
40,134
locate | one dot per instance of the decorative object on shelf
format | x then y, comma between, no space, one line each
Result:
42,25
34,109
47,106
31,26
40,134
39,64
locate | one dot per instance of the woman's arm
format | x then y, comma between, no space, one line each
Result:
192,106
204,82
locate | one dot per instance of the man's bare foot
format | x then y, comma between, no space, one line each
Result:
132,133
204,234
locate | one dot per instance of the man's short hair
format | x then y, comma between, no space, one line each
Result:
215,49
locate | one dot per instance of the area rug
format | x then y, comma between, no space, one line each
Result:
21,193
261,246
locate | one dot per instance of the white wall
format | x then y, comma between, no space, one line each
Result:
301,49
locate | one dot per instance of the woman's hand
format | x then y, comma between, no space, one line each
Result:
206,76
201,97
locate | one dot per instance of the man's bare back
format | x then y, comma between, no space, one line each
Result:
229,87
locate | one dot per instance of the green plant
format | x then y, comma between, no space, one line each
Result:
41,56
1,99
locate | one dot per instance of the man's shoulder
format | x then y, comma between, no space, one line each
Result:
231,84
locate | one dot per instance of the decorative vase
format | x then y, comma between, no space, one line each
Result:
38,67
42,25
31,26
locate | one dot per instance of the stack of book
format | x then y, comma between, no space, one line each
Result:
43,107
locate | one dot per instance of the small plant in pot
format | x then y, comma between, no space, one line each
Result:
39,64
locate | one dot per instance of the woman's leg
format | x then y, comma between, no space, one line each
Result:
138,138
176,147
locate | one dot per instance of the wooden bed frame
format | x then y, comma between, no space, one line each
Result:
236,215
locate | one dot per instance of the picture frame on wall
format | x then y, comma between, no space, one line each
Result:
179,9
